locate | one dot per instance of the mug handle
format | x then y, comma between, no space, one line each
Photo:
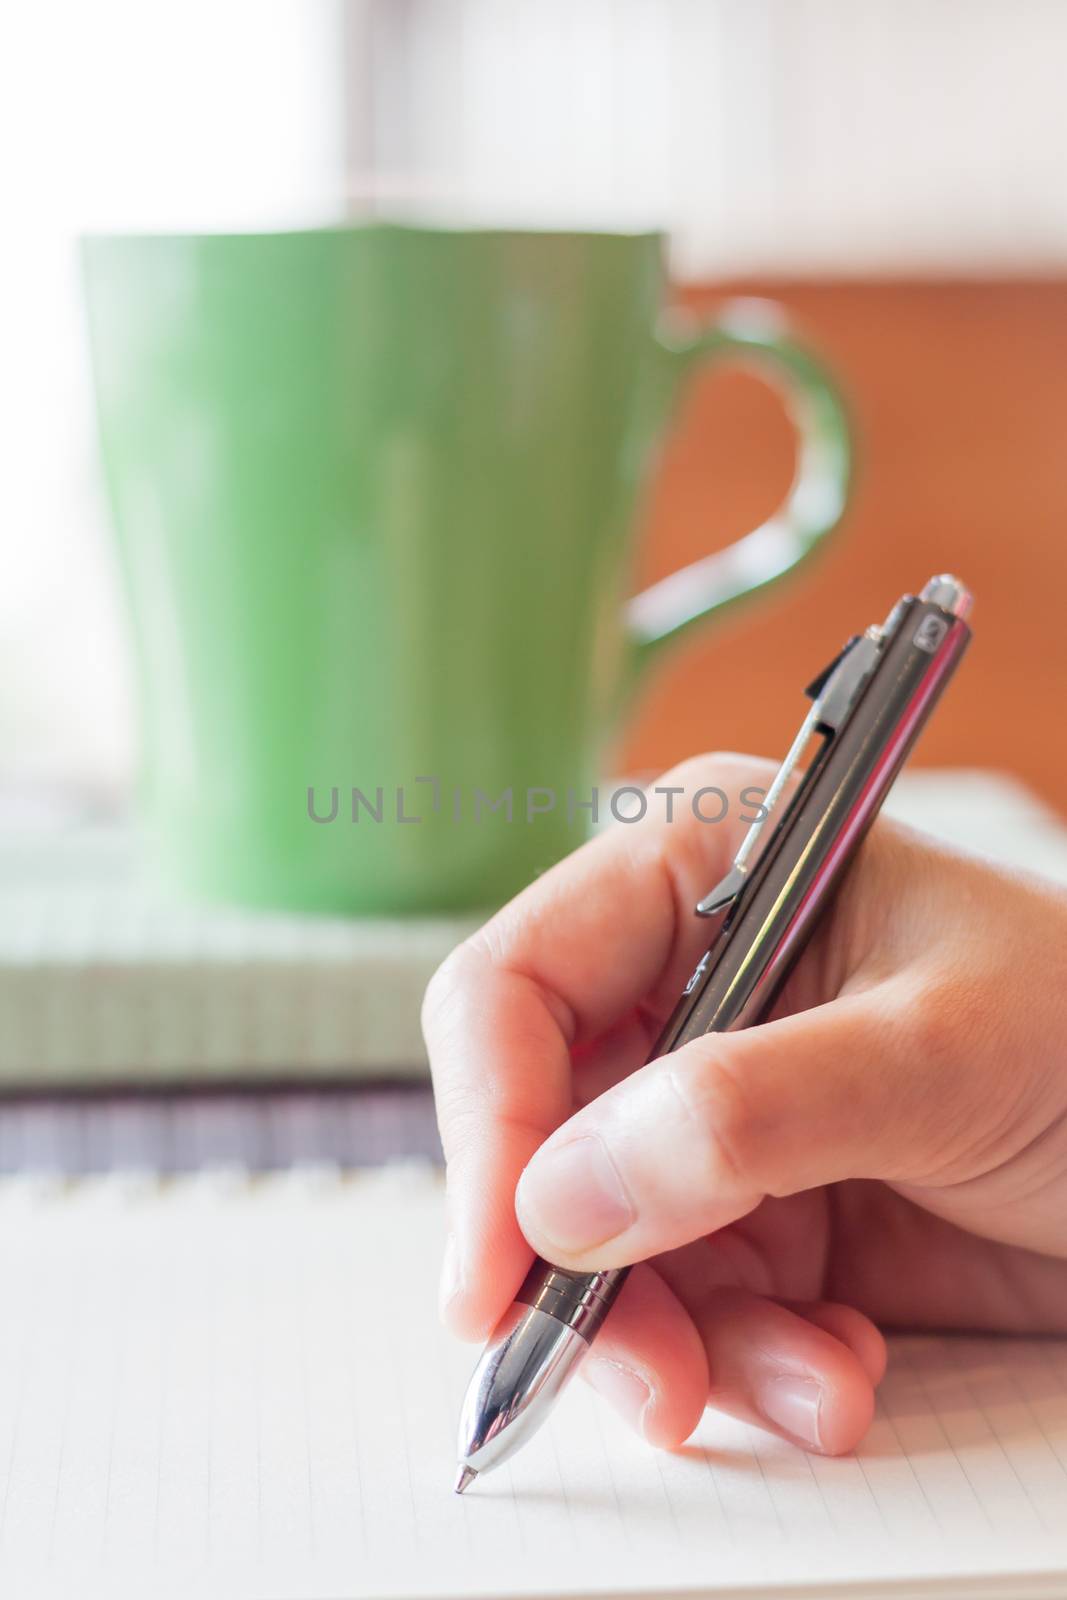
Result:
754,334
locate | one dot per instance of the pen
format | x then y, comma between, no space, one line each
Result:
868,708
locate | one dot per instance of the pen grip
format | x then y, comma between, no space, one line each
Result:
580,1300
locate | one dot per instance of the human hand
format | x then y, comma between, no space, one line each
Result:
889,1149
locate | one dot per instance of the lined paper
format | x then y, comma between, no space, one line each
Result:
220,1386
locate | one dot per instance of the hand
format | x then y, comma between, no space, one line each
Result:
889,1149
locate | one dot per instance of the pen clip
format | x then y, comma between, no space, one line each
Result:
833,693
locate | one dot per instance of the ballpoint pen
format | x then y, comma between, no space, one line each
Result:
868,708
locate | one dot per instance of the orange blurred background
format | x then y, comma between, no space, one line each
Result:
958,392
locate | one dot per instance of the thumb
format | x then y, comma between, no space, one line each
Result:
698,1138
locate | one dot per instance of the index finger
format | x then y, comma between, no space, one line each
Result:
604,931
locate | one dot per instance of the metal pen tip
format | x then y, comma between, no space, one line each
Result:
466,1477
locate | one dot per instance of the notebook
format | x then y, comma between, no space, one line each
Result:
223,1387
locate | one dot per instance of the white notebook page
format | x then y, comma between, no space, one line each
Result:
216,1387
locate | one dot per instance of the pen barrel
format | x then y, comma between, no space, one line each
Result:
766,931
579,1300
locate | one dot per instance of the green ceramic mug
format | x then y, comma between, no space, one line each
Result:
375,489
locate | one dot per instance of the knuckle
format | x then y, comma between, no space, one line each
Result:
721,767
459,1117
945,1019
961,1116
713,1101
447,985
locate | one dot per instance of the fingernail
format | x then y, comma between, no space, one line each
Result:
572,1196
451,1279
793,1404
621,1387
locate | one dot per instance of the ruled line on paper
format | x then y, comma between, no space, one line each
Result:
247,1379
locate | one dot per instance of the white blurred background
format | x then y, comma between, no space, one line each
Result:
805,137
